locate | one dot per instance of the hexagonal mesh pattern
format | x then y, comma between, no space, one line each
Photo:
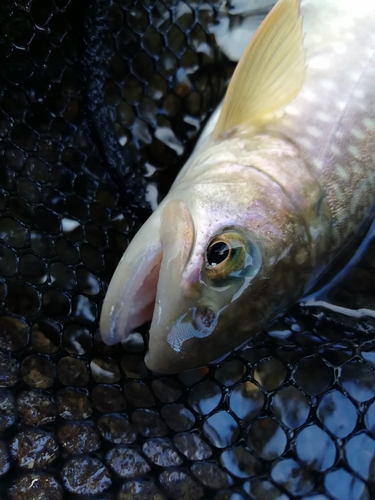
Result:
291,416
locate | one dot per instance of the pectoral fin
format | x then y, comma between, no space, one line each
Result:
270,73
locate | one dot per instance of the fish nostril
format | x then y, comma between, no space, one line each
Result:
204,317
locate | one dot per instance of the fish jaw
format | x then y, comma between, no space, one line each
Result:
150,268
129,301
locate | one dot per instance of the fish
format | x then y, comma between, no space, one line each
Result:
267,201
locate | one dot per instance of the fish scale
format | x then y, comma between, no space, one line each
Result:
337,98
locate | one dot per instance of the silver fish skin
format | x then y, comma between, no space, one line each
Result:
264,205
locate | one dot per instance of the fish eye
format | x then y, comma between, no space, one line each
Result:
225,255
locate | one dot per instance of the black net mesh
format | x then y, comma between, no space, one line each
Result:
89,95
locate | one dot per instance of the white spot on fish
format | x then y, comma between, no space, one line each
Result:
320,62
293,111
359,94
369,123
339,134
324,117
354,75
345,22
340,105
310,96
318,163
342,172
340,48
358,134
329,84
353,150
306,142
314,131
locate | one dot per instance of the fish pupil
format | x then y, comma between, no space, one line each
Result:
217,253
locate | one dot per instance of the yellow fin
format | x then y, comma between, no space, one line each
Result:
271,71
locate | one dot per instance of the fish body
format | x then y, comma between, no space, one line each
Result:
266,202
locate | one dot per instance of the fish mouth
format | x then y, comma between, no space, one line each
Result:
142,299
146,285
130,299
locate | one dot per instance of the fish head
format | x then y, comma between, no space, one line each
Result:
211,265
202,269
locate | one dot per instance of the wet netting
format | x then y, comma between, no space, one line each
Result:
99,105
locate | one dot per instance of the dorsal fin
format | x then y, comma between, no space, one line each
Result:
271,71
